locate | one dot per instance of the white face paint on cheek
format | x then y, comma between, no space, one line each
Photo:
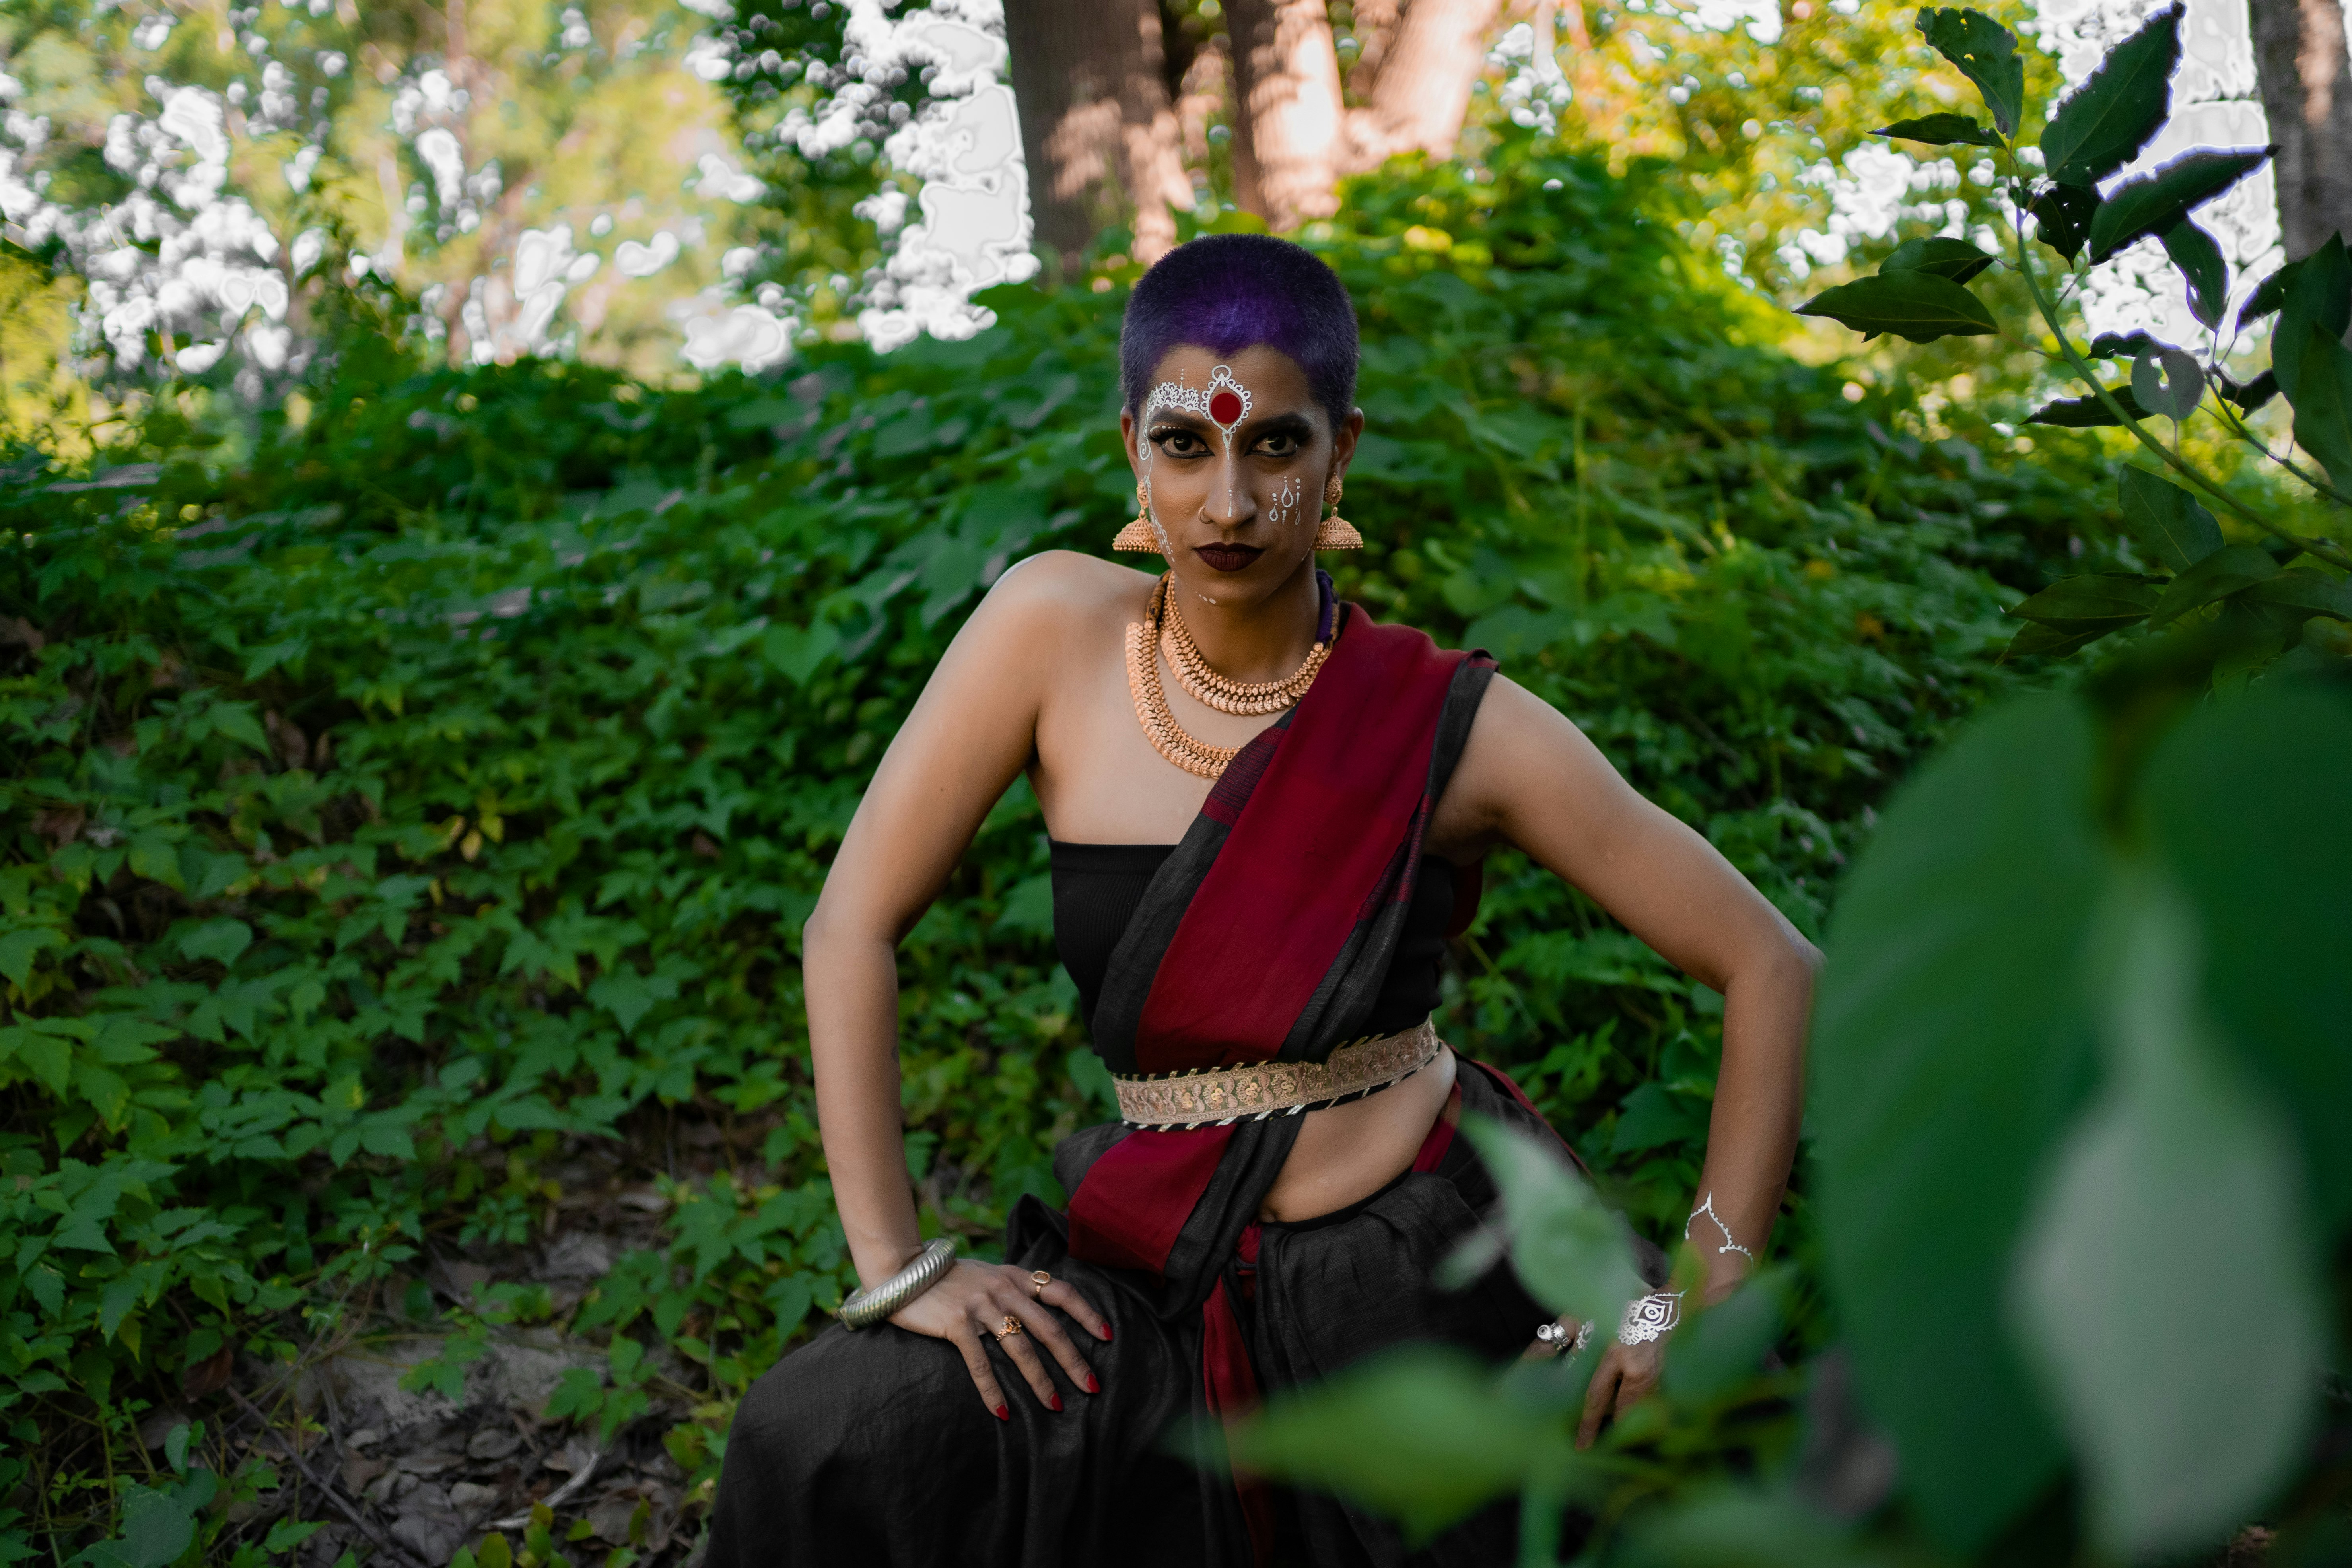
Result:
1285,507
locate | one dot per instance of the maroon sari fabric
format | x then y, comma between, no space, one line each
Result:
1287,897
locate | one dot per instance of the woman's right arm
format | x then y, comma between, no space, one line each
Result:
971,733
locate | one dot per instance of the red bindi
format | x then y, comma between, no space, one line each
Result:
1226,408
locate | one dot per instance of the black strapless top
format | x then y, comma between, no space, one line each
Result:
1097,887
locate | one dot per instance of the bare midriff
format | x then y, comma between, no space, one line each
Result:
1345,1154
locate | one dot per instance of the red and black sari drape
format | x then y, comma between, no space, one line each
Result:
1267,935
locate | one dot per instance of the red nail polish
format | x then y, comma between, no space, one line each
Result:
1002,1414
1092,1386
1105,1331
1057,1404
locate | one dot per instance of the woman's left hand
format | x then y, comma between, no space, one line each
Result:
1627,1375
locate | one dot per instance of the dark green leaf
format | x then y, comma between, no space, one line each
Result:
2120,346
2307,592
1986,53
2318,295
2169,522
2082,601
2218,576
2167,382
2250,395
2063,216
2056,641
1940,130
2151,203
2246,803
2104,122
1951,1048
1953,258
2087,412
1920,306
2323,404
2268,294
2199,259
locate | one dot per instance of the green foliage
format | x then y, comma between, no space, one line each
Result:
410,807
2239,621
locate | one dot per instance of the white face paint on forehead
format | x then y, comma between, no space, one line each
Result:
1224,403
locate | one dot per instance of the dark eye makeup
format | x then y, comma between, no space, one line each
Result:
1285,436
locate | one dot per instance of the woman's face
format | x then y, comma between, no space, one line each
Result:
1234,453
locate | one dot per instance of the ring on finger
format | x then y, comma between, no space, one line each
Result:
1038,1283
1009,1328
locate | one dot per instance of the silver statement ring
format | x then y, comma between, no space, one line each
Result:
864,1308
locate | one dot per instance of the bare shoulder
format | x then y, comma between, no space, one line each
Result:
1046,600
1520,749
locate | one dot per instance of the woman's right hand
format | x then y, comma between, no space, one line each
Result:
972,1303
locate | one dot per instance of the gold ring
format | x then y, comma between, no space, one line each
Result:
1038,1283
1010,1328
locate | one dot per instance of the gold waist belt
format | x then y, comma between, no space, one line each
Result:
1215,1096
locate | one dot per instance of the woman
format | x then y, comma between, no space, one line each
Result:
1264,811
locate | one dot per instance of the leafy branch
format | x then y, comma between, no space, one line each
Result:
1921,293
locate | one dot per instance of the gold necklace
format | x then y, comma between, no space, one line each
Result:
1168,737
1246,698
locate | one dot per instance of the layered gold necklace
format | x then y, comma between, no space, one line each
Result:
1162,631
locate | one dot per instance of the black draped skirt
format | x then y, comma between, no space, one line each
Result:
873,1449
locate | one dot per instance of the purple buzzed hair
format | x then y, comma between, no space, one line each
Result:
1227,293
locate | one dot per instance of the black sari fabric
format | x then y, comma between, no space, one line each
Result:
873,1448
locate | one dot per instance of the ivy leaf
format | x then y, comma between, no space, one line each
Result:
221,940
2079,602
1953,258
2317,292
1986,53
1940,130
2167,382
2199,257
2151,203
2064,214
2323,404
2084,413
18,948
2103,123
1920,306
2218,576
2166,520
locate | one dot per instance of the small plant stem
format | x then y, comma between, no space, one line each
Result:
2320,549
2236,426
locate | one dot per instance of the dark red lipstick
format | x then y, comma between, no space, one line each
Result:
1228,557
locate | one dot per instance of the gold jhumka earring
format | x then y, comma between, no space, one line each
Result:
1140,536
1336,532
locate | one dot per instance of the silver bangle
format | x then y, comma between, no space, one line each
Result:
863,1309
1649,1318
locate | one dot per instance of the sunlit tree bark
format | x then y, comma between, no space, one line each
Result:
2305,76
1419,88
1288,115
1096,124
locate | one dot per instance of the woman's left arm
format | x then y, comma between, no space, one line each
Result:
1529,778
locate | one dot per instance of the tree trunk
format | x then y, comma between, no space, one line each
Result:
1422,89
1096,125
2305,76
1285,110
